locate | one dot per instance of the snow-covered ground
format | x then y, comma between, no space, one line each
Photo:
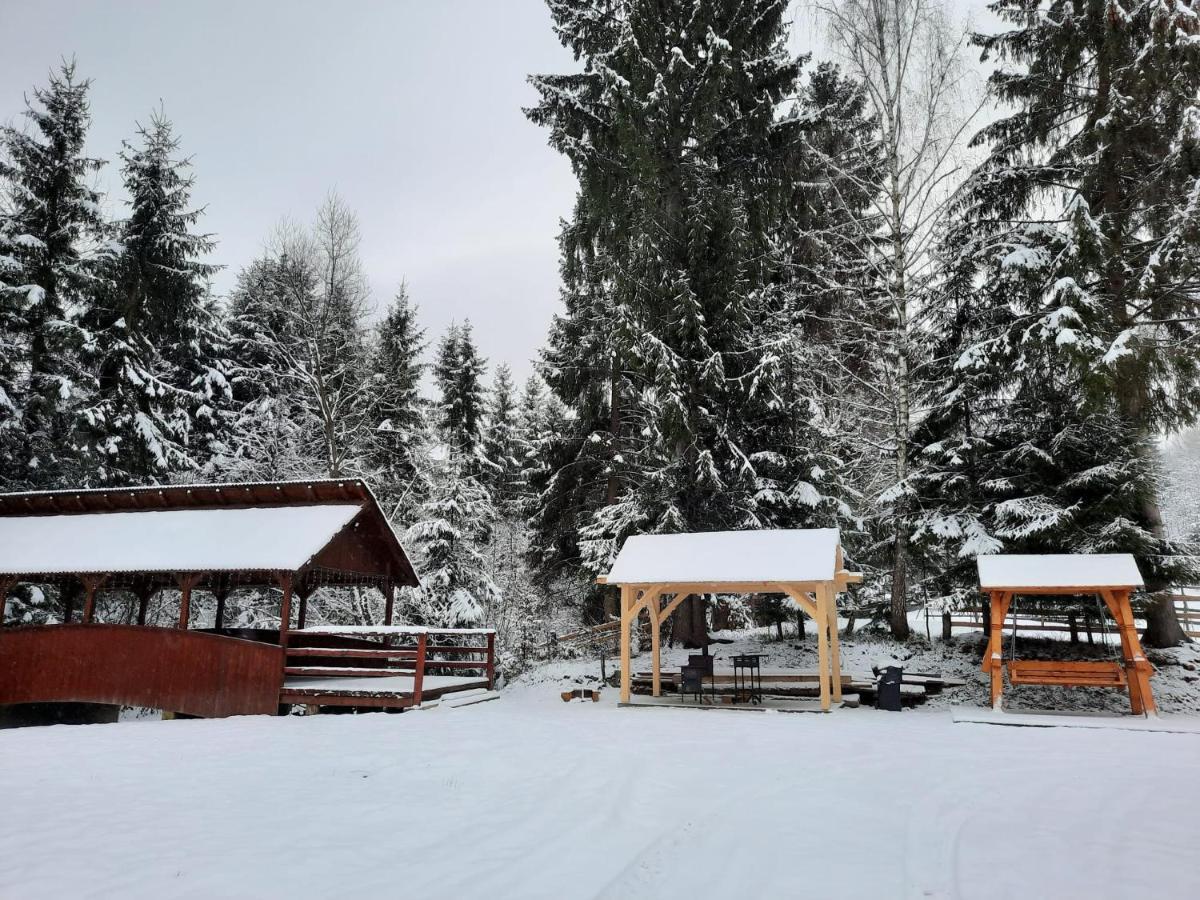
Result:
528,797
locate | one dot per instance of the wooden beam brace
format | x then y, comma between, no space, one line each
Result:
186,581
800,600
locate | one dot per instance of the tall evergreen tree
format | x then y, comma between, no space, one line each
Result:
452,525
458,373
395,458
672,254
1088,206
500,450
53,225
161,386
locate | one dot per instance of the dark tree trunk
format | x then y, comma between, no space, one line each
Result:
898,611
800,623
947,628
1162,623
689,625
721,613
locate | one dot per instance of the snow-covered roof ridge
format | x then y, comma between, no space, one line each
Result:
712,557
1058,570
171,540
197,485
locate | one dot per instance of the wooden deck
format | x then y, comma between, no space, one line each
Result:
386,692
384,668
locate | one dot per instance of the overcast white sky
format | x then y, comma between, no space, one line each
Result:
411,109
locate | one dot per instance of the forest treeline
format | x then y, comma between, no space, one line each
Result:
857,291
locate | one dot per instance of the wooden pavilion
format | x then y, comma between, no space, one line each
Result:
1110,577
658,572
293,538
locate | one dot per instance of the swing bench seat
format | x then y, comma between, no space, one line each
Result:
1066,673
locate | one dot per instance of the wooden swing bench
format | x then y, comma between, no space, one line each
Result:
1063,673
1111,578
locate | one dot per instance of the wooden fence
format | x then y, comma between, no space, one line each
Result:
1187,607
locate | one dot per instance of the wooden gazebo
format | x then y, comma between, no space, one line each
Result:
296,537
1112,577
658,572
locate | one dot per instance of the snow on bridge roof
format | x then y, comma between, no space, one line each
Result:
171,540
1058,570
798,555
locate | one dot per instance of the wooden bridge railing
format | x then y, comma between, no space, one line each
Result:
351,654
188,672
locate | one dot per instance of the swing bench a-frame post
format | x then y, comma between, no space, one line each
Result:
1112,577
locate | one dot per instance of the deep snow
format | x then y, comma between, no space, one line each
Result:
528,797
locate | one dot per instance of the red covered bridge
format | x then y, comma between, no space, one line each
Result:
288,539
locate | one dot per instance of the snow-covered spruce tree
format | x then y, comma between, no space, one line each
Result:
673,131
500,450
446,540
458,373
54,229
1094,182
13,299
398,440
161,388
272,428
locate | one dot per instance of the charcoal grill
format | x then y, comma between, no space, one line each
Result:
747,678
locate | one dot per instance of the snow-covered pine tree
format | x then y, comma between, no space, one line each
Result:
13,300
54,227
1093,186
446,540
673,132
398,440
161,389
500,449
458,373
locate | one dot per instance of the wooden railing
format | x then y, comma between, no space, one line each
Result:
355,653
1187,608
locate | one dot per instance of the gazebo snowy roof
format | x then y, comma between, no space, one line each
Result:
1058,571
333,525
735,557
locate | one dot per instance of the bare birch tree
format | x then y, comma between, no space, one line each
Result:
908,56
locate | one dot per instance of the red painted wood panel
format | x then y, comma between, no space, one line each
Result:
161,668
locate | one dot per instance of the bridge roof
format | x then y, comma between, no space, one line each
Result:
292,526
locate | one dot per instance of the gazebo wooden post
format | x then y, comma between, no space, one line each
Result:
626,616
302,615
823,648
389,602
993,661
285,607
835,651
6,585
655,644
91,584
186,583
143,591
222,587
1141,698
